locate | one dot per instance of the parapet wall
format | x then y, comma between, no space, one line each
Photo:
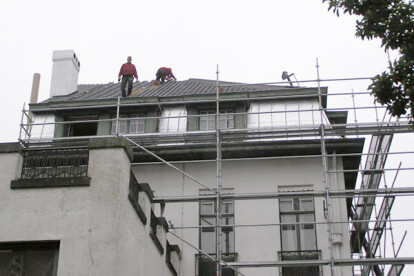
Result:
96,225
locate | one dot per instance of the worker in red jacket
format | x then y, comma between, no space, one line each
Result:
164,73
128,72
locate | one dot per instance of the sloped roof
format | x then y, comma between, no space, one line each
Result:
148,89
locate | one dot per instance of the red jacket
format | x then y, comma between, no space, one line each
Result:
128,69
168,70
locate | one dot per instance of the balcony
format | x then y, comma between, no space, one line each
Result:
53,168
300,270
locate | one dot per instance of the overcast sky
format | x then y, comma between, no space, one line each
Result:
251,41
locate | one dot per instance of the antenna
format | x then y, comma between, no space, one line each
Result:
285,75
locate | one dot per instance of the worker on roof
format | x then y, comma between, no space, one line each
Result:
128,72
164,73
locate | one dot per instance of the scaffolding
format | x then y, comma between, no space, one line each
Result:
368,224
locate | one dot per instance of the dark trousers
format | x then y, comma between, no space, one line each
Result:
161,74
125,79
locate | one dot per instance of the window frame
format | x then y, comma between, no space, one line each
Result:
226,116
20,247
138,119
228,218
297,213
126,123
298,209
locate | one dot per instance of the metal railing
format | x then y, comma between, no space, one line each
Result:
207,267
367,122
55,163
300,270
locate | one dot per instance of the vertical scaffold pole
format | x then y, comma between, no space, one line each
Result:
219,180
325,174
355,113
117,115
21,121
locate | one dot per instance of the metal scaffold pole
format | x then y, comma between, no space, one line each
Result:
118,105
325,175
292,135
219,180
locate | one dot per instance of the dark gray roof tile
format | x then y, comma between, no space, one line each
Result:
148,89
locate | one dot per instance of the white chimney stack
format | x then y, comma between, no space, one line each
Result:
65,73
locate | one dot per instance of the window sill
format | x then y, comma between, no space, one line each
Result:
50,182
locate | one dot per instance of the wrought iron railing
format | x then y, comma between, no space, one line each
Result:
55,163
300,270
207,267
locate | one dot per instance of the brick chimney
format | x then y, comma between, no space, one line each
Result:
65,73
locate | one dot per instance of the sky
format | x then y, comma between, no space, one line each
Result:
250,41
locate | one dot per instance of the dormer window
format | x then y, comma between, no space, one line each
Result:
79,128
208,119
133,124
137,124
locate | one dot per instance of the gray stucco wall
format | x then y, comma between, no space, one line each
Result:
251,243
98,230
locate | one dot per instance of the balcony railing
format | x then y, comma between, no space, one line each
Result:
56,163
207,267
300,270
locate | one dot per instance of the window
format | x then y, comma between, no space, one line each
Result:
208,222
137,125
79,128
39,258
134,125
208,120
298,240
122,129
206,267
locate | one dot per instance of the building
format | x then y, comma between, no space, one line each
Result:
98,181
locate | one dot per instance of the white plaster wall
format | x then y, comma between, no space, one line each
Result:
46,214
43,128
285,113
341,236
252,243
99,232
136,252
173,119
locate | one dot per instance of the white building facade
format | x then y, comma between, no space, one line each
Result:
271,162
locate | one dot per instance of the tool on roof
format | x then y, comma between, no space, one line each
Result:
285,75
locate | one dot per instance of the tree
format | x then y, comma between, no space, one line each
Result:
392,21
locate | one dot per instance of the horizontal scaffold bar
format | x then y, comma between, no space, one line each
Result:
337,262
270,195
295,223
